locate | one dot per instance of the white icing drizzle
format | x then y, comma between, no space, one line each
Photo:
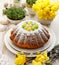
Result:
45,31
40,37
43,35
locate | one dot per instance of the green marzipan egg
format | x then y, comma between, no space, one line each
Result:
24,25
25,28
36,26
33,28
30,22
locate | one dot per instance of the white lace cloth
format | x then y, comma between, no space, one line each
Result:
5,60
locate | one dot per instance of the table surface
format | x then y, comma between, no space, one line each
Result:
54,26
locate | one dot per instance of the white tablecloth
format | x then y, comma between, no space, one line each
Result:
54,25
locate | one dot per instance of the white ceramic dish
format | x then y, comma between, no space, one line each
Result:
15,21
31,52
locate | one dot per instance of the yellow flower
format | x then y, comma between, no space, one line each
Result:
36,63
40,59
20,59
45,55
45,9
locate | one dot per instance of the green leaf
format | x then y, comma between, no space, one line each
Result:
30,2
15,13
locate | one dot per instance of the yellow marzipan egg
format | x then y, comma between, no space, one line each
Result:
20,59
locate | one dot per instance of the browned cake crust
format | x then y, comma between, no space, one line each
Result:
33,41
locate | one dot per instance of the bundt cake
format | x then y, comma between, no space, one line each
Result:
29,34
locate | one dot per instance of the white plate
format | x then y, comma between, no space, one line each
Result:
31,52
